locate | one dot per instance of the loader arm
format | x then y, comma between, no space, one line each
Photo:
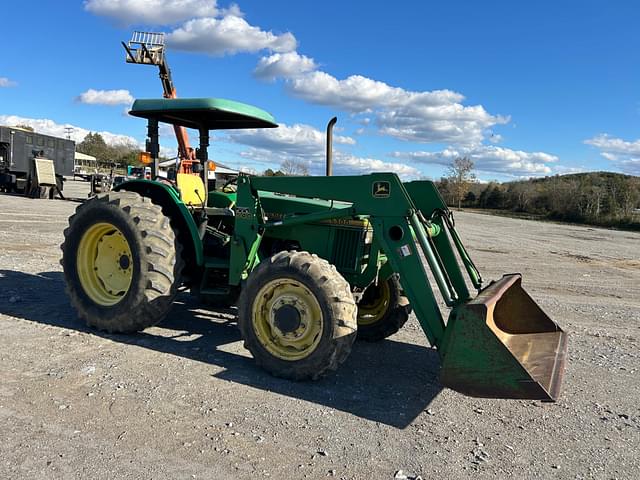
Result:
399,227
498,344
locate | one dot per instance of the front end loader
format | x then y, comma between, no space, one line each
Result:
311,263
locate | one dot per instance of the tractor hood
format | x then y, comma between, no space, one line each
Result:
276,206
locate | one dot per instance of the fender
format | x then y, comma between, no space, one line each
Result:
168,198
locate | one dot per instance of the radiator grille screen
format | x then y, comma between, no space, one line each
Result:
346,249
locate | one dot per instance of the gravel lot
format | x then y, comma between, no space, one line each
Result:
184,400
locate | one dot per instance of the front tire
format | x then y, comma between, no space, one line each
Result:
297,316
121,262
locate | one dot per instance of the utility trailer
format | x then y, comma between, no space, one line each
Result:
20,148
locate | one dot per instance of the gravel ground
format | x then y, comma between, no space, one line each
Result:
184,400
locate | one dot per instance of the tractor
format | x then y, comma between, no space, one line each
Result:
310,262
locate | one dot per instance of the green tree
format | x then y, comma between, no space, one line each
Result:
445,187
469,199
492,196
496,198
109,156
94,145
270,173
125,154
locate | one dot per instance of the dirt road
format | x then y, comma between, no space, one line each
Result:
184,400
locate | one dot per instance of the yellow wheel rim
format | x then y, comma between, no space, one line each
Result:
287,319
105,264
374,303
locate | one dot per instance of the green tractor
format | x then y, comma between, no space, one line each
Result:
310,262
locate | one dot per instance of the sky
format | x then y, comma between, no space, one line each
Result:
524,89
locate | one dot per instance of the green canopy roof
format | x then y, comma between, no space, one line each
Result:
209,113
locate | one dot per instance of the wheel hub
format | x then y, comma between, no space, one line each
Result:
287,319
374,304
124,262
104,263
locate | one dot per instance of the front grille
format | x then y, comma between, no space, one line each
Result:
347,249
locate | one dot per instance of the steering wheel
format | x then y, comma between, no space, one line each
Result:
226,188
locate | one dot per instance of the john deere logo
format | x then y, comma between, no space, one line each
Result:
381,189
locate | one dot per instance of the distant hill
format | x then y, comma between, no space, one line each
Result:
584,176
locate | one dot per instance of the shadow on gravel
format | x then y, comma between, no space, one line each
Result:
388,382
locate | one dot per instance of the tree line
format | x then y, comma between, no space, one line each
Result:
122,154
288,167
127,154
596,198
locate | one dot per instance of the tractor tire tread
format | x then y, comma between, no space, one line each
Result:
159,273
339,309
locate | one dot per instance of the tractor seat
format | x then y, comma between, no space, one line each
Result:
191,189
221,199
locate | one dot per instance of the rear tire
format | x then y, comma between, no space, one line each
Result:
121,262
382,310
297,316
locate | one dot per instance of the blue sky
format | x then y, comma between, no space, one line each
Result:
522,88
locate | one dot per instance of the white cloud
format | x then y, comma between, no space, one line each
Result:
563,170
427,116
206,28
228,35
358,94
437,116
305,144
494,138
5,82
489,159
615,146
297,140
49,127
168,152
624,154
106,97
345,164
151,12
287,65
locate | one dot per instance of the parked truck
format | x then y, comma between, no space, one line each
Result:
18,150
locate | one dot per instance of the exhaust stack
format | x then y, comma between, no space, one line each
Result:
330,125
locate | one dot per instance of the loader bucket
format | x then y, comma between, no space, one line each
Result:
502,345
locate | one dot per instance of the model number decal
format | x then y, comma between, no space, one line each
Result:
243,212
